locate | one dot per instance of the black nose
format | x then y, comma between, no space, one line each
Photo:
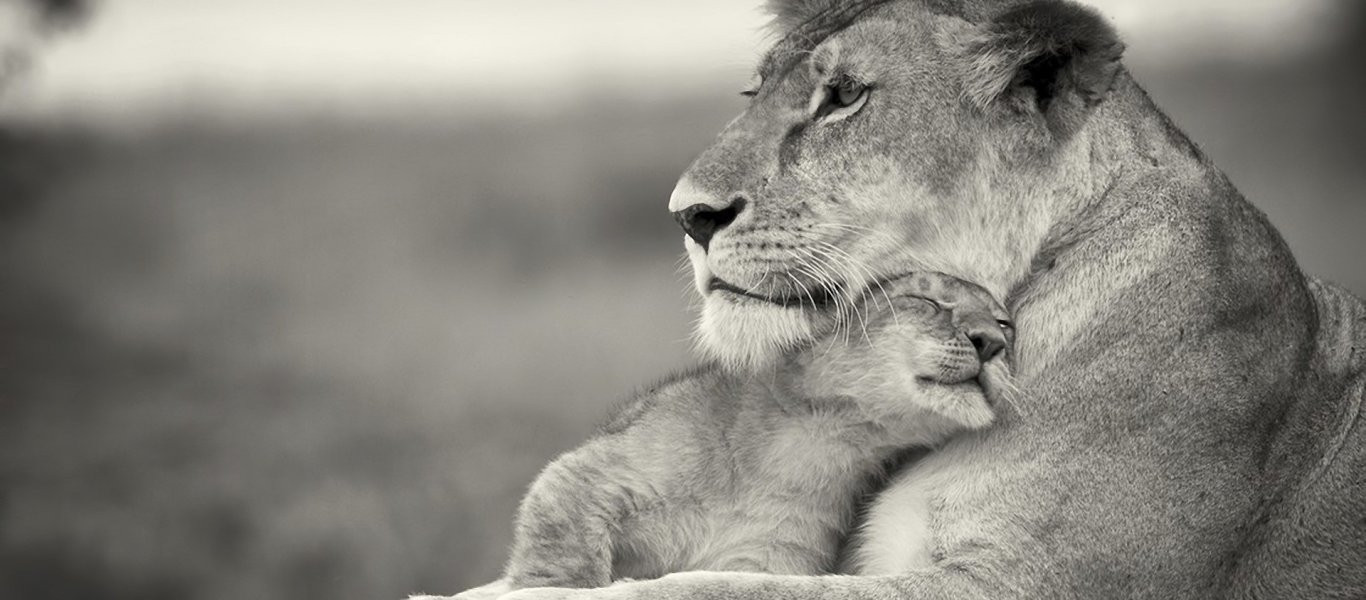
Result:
701,221
989,342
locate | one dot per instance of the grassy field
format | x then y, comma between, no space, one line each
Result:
322,357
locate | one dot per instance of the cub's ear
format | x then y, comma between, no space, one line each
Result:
1053,57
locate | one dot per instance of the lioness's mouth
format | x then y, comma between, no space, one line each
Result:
815,298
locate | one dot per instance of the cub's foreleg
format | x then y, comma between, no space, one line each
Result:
574,515
563,535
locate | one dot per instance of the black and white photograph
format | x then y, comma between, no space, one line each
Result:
703,300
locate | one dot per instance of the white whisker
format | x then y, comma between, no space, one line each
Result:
859,308
847,309
867,272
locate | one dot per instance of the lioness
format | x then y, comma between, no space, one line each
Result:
763,471
1188,424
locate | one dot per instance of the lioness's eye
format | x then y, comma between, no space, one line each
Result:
847,92
844,97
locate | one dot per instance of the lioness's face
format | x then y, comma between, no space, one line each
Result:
856,161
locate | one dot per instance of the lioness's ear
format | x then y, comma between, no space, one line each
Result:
1052,56
788,14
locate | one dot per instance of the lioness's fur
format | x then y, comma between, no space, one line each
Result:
1189,425
762,472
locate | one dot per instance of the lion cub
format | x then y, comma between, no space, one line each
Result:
763,472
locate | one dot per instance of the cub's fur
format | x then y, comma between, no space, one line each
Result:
762,471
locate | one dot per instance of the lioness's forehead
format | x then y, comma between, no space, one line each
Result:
804,38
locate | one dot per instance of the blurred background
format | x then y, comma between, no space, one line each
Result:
296,296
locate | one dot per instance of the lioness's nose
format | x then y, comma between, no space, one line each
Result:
702,221
700,213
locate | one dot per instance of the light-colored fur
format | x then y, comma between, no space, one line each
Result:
763,471
1189,423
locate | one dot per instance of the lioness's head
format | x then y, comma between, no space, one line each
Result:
885,136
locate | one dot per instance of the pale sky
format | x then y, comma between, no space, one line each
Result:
138,56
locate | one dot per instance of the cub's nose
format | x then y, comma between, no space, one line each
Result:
703,221
988,339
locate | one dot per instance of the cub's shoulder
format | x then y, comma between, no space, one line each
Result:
682,389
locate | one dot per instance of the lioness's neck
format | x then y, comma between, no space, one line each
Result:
1152,205
1050,194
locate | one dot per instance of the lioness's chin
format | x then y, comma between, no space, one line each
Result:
747,334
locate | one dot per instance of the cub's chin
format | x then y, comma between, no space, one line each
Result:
746,334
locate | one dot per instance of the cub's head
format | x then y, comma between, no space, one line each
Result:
885,136
942,344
